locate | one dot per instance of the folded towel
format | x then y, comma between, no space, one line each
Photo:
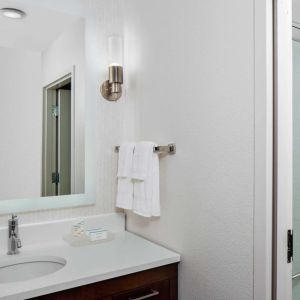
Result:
125,193
143,153
125,160
146,200
125,184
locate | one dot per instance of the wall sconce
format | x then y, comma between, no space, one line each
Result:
111,89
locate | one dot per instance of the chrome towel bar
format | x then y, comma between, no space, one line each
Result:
170,149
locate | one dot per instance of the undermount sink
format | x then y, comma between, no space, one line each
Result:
21,269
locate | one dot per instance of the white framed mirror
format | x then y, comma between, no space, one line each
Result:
47,85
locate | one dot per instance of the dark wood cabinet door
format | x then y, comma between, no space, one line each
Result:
155,291
153,284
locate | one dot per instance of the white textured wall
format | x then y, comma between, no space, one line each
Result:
20,124
190,72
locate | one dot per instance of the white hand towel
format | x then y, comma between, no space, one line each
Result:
146,200
125,160
125,184
125,193
143,153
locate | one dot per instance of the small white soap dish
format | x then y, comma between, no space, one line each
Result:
89,237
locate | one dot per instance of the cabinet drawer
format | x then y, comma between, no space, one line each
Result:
153,284
156,291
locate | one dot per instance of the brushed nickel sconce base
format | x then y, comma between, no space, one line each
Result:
111,91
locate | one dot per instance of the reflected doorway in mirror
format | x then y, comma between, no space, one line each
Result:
58,137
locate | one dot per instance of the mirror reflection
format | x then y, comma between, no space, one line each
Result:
42,84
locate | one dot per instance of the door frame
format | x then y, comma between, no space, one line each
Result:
283,148
263,149
69,74
273,179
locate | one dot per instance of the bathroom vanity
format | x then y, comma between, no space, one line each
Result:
126,267
53,160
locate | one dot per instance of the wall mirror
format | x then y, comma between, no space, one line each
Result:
44,153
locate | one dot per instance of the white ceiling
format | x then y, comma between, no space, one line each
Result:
41,25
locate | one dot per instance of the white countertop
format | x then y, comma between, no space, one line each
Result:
126,254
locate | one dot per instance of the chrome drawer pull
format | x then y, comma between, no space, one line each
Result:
153,293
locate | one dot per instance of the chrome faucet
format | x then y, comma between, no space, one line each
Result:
14,242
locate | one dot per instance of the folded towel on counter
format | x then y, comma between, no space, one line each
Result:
145,175
125,184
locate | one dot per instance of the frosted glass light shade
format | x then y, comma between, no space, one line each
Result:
115,51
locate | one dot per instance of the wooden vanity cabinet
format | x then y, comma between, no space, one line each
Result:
154,284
